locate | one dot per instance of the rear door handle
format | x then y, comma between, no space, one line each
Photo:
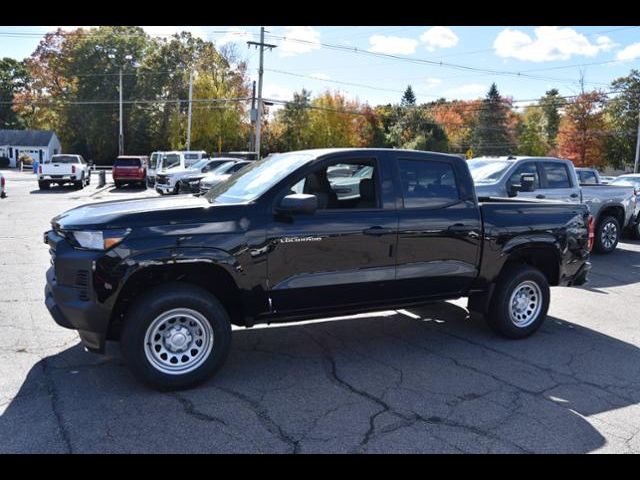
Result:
574,195
377,231
540,196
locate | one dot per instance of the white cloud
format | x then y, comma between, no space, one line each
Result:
631,52
320,76
432,82
167,31
439,37
472,90
298,40
392,45
234,35
551,43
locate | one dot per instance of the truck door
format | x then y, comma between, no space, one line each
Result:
439,230
530,167
344,253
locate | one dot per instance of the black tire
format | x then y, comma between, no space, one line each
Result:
634,230
79,185
502,319
606,228
43,185
3,195
141,316
117,184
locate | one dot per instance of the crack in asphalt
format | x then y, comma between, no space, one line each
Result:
271,425
53,395
190,409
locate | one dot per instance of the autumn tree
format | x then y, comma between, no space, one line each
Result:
14,78
416,129
491,135
458,119
582,132
533,133
622,117
332,121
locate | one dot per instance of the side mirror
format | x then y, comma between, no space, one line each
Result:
527,182
298,203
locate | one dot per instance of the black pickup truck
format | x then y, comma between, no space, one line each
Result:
294,237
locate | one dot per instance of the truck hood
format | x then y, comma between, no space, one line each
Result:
134,213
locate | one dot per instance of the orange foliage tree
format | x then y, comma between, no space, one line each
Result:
582,134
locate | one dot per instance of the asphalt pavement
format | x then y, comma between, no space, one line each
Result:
430,379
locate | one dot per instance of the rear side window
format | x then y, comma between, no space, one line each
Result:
127,162
427,183
557,175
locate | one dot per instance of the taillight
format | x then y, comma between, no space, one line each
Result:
73,169
592,233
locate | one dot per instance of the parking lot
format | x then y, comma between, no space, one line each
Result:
421,380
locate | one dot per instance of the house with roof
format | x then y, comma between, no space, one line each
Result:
38,144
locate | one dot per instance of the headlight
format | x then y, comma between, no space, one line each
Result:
99,240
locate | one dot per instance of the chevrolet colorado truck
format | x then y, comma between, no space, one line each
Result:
167,276
614,208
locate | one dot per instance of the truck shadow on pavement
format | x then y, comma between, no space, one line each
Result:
425,380
621,267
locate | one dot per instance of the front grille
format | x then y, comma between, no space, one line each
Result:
162,179
82,284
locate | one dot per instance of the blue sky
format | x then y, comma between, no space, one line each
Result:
555,56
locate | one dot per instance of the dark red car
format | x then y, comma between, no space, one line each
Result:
130,169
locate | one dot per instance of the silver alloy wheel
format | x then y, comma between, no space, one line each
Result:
525,304
178,341
609,235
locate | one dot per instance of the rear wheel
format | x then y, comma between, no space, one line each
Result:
176,336
42,185
607,235
520,303
79,184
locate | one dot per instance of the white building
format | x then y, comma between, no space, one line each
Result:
38,144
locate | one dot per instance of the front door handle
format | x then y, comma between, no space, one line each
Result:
540,196
377,231
574,195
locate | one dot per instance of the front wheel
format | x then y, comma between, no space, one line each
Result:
607,235
176,336
520,303
635,231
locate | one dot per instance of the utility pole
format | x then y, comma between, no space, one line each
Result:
190,98
253,117
262,46
635,164
120,134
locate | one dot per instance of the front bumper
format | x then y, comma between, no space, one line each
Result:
164,188
73,303
189,186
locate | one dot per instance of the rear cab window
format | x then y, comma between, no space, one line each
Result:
427,183
64,159
127,162
556,175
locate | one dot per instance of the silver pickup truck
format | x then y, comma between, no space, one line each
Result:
614,208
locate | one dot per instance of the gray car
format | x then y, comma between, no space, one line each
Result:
613,207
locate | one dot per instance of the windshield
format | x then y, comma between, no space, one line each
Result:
488,171
171,160
258,177
626,181
201,164
64,159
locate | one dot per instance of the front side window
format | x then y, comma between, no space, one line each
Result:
354,188
171,160
529,167
557,175
427,183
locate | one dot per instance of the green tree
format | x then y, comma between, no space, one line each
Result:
296,121
491,134
408,98
622,119
13,80
416,129
533,133
551,104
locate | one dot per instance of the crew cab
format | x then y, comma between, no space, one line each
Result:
130,169
614,208
167,276
64,168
